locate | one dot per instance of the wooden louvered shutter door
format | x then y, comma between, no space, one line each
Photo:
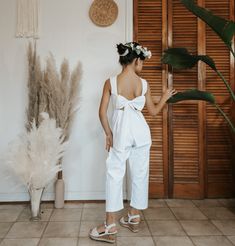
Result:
150,31
220,181
186,169
191,155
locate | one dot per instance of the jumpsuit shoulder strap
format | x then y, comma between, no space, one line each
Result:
144,86
113,83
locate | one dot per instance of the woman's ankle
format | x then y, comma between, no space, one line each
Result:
133,211
110,218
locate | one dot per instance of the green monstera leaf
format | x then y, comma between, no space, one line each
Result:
225,29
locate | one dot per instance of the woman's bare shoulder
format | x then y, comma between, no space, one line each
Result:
142,78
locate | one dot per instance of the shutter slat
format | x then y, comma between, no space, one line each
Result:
219,150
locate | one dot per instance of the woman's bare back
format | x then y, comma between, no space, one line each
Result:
129,86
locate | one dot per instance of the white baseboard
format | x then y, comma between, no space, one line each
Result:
48,196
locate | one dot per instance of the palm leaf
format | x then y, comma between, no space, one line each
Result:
180,58
225,29
193,94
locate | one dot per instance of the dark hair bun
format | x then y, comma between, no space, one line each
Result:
121,48
129,57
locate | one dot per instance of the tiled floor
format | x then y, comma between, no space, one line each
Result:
165,223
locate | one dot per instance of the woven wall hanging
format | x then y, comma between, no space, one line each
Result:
103,12
27,18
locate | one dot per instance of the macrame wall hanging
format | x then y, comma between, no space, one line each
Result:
103,12
27,18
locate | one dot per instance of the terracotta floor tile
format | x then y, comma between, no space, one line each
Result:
85,241
226,226
207,203
218,213
13,206
73,205
26,230
135,241
9,215
93,214
165,228
227,202
211,241
4,228
20,242
231,239
66,214
47,205
157,203
158,214
95,205
62,229
173,241
25,215
199,227
58,242
190,213
179,203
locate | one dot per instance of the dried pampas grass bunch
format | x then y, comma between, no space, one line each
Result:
34,155
53,92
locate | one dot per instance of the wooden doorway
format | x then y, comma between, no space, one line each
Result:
191,155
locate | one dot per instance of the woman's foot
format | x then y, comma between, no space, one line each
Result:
101,228
135,215
105,233
131,222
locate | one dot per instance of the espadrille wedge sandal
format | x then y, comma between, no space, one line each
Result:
131,225
106,236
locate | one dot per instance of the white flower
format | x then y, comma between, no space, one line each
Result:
138,49
149,55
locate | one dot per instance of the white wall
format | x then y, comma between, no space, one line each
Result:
66,31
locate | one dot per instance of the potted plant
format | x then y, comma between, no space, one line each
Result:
34,158
55,93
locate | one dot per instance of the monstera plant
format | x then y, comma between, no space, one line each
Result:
180,58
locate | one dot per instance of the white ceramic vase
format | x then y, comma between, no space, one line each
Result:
59,193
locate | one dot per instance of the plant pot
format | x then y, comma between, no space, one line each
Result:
35,202
59,193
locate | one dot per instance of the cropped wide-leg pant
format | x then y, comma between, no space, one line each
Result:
139,173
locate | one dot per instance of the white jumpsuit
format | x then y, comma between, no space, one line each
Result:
131,140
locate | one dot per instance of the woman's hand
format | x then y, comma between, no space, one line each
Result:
109,142
168,94
155,109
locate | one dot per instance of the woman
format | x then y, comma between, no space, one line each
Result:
128,137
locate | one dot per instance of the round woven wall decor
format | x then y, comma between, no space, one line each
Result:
103,12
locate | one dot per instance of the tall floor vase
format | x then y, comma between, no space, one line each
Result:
59,191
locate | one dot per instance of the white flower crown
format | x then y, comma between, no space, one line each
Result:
138,49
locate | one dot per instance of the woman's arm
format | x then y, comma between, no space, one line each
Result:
155,109
103,114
